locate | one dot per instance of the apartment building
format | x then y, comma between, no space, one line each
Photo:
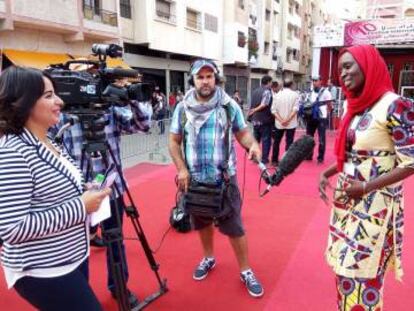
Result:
236,45
391,9
162,37
37,32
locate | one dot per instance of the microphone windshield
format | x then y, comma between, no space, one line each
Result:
297,152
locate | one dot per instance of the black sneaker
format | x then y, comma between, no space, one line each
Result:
132,299
97,241
203,268
253,286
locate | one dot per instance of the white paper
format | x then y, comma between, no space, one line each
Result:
103,212
349,168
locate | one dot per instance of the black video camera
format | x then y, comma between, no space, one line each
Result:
93,88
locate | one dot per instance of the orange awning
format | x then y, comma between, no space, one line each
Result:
38,60
110,62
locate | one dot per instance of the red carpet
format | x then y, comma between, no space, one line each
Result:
287,233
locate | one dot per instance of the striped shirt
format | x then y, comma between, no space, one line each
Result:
206,155
42,217
130,119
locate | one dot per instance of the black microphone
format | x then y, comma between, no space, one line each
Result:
294,156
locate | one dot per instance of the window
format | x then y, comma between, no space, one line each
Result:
295,54
163,10
266,47
210,22
267,16
125,6
241,4
193,19
274,50
91,7
288,54
297,8
241,39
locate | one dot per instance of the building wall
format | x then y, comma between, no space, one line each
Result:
174,36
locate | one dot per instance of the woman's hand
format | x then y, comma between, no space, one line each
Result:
92,199
355,190
323,183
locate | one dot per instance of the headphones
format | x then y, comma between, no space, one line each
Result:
204,62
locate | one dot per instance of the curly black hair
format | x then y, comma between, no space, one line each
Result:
20,88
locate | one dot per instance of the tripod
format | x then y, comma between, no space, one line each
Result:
96,144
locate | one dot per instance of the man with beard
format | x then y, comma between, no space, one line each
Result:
201,122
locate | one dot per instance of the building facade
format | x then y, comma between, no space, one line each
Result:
36,33
162,37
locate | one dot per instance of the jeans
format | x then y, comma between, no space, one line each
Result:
70,292
311,128
278,135
263,134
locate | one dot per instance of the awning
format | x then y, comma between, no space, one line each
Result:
38,60
110,62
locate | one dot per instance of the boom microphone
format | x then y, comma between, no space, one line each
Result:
297,152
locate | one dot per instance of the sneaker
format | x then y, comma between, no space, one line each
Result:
203,268
132,299
253,286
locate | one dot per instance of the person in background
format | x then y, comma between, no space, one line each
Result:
275,88
334,107
261,117
285,109
237,98
180,97
43,205
159,105
321,98
172,101
374,154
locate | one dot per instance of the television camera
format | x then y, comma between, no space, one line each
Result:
92,87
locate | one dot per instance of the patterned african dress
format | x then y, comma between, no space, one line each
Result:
365,235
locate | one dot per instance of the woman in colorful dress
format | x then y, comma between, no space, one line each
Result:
375,152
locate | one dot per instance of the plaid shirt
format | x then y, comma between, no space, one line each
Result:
205,156
130,119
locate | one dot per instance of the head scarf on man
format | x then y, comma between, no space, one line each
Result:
377,82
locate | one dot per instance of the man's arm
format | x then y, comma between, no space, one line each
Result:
176,153
246,139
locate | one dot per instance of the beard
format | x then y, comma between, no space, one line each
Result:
205,92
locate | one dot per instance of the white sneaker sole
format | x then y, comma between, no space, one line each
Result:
251,293
205,275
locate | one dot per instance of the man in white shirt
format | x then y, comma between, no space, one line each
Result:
321,98
285,107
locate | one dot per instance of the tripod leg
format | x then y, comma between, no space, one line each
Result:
116,261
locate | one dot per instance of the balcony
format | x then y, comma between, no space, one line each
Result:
100,16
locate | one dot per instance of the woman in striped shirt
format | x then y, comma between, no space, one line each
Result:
43,208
